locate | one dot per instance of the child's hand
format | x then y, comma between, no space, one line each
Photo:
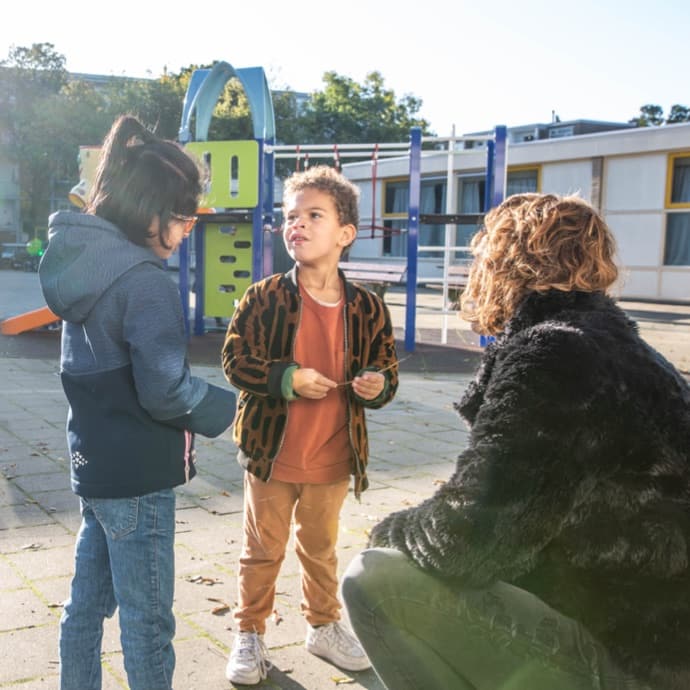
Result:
308,383
369,385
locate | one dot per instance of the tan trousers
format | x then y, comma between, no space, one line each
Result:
269,510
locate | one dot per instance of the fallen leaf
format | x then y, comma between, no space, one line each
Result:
202,580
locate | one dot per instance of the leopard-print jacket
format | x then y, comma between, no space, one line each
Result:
258,348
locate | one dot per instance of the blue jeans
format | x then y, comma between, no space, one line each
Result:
422,633
125,559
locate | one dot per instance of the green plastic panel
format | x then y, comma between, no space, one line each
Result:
227,266
234,172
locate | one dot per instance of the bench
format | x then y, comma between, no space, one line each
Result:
377,277
457,281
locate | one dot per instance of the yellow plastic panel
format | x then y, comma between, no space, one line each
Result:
234,172
227,266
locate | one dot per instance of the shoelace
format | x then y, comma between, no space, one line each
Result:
254,646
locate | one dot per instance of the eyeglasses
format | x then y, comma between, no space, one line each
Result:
189,222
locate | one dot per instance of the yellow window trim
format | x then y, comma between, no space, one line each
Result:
382,200
672,157
528,166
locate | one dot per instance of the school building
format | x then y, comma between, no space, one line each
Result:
639,178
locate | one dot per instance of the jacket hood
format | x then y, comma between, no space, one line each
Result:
84,257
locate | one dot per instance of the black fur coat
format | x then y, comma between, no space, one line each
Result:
576,482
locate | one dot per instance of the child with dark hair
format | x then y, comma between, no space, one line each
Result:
134,405
308,351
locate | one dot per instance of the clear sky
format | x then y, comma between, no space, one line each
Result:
473,63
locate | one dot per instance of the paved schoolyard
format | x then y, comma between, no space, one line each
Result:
414,441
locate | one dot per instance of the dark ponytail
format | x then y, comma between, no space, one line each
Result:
141,176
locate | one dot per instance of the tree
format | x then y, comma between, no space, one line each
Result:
156,102
678,113
654,115
46,114
649,115
30,80
346,111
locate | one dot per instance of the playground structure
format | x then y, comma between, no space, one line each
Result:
495,181
238,204
233,237
28,321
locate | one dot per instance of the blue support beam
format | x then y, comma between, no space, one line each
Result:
413,236
500,165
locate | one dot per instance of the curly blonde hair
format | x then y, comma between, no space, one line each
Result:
535,243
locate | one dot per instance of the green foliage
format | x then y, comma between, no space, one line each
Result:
232,117
157,103
348,112
30,81
345,112
653,115
678,113
46,114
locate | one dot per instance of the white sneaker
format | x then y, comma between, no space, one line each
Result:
335,643
248,663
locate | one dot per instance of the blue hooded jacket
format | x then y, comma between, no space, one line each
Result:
134,405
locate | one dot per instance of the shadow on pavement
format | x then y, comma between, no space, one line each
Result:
42,344
655,316
205,350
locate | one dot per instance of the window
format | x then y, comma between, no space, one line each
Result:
677,246
472,196
471,199
396,203
396,197
522,180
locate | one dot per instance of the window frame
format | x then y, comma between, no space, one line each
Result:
673,209
672,158
524,168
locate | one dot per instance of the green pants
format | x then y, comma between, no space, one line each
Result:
423,634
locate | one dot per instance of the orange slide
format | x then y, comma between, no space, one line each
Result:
28,321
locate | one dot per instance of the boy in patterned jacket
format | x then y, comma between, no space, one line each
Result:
308,351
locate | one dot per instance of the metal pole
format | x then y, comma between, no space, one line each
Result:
257,220
184,280
489,175
269,179
449,228
500,170
198,289
413,235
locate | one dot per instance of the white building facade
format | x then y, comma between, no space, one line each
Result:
638,178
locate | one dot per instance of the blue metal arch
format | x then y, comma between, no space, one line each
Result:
205,87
